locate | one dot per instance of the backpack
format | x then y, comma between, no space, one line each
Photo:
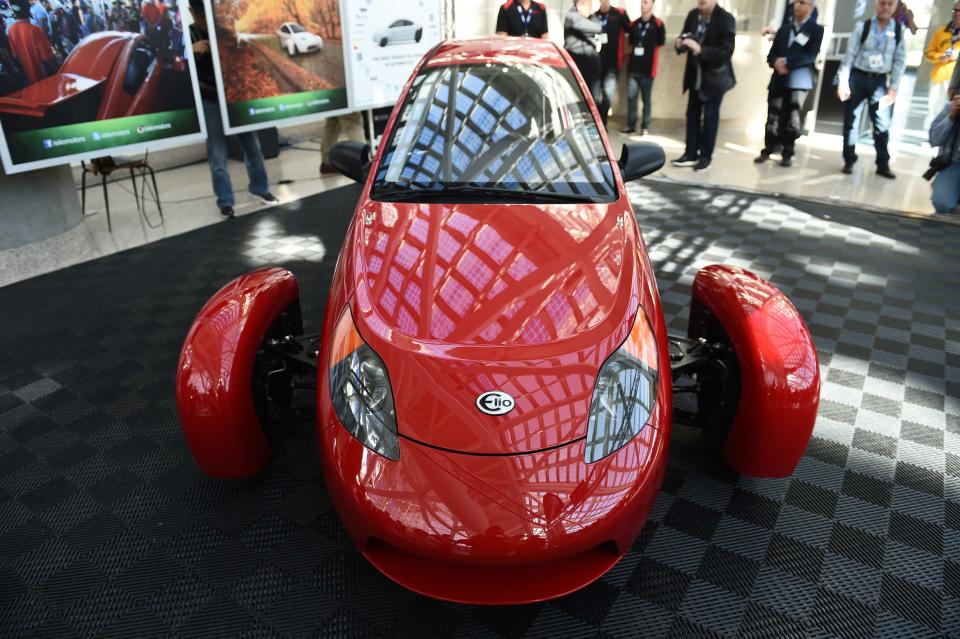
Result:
897,30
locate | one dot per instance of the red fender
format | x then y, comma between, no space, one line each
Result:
215,373
779,371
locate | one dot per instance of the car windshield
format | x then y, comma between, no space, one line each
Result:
296,28
518,131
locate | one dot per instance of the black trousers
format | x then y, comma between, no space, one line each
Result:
703,122
784,120
589,66
866,91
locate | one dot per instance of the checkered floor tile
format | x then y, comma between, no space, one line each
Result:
108,529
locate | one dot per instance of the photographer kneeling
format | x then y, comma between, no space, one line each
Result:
946,166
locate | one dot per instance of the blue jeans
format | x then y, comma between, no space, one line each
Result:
946,189
703,122
869,89
217,158
608,90
642,86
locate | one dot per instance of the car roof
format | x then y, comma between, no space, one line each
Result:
497,50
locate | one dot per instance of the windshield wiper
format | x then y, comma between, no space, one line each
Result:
421,195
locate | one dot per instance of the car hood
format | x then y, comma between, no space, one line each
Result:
464,299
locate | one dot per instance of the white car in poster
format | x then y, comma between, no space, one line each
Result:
399,31
295,39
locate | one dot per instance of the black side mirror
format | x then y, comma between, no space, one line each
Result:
351,159
638,159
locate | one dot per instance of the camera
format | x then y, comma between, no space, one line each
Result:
684,48
937,164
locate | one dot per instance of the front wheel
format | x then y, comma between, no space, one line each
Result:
758,396
419,35
383,42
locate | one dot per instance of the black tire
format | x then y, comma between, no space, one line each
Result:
419,35
272,383
384,41
718,384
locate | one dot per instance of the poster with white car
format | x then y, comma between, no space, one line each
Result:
386,39
278,62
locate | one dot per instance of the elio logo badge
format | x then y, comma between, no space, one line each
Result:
495,403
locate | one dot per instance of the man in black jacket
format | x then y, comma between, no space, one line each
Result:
708,38
616,25
792,56
581,39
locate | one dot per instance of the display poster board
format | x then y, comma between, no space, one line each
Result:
386,40
278,62
110,83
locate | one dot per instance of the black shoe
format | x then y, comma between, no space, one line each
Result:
702,165
786,161
226,211
628,130
685,160
267,198
847,168
763,157
884,171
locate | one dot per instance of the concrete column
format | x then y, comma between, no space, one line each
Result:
37,205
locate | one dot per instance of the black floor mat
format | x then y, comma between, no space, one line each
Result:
108,529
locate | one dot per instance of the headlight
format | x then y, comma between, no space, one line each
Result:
361,393
625,393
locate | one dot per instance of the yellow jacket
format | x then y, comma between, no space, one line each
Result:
941,42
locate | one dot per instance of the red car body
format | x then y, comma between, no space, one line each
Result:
101,61
531,300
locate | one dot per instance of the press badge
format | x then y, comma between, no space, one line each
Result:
802,39
876,61
638,52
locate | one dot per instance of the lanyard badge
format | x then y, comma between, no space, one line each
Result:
525,17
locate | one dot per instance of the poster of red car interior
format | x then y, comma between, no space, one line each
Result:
91,79
386,41
277,61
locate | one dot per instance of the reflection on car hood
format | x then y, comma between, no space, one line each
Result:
461,299
509,275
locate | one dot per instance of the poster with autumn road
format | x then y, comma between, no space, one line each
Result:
278,60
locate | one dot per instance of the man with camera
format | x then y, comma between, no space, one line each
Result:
792,56
708,38
870,73
945,168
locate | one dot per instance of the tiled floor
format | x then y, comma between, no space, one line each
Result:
108,529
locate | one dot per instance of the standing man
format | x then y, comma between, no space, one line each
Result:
647,35
28,44
792,57
615,25
216,138
871,72
581,39
522,19
942,54
708,38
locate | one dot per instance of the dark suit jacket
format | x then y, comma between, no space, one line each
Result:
714,59
797,56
